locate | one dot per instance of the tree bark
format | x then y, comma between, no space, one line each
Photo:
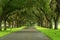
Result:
17,23
56,24
9,24
39,23
0,24
12,24
4,24
50,24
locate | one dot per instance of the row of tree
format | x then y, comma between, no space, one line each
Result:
16,13
50,13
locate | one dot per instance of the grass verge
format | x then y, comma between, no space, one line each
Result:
53,34
10,30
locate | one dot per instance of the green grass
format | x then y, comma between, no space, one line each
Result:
10,30
53,34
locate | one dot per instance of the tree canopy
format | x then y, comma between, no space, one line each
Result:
42,12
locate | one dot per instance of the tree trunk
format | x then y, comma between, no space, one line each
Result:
56,24
46,23
0,24
50,24
39,23
9,24
12,24
17,23
4,24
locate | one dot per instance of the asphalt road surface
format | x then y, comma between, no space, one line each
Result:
26,34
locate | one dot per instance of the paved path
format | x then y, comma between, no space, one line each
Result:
26,34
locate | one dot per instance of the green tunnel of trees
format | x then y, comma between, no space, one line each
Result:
16,13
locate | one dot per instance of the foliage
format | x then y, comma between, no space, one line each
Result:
28,10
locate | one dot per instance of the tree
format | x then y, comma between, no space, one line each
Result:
55,12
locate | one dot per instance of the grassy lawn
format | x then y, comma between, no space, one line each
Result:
53,34
8,31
